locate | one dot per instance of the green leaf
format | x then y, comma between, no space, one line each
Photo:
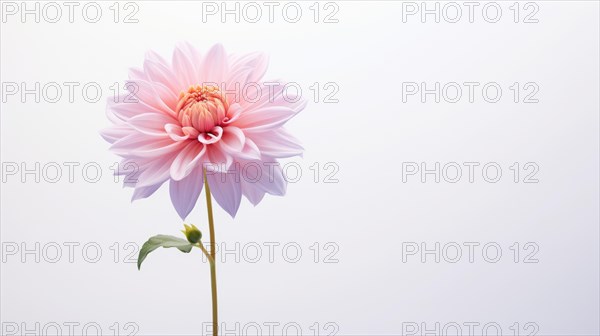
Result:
165,241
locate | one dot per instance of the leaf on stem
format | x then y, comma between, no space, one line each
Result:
165,241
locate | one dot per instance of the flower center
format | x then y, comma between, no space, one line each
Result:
202,107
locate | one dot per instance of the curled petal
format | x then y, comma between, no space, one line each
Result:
233,139
192,132
187,160
175,132
234,112
211,137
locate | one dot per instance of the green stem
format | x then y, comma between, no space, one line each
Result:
201,246
212,259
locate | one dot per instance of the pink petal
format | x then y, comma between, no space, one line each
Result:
260,177
116,132
143,145
272,95
151,123
150,93
236,83
185,58
253,194
271,179
145,192
123,110
156,170
250,151
217,159
226,191
266,118
157,69
257,62
137,74
184,193
215,65
276,183
131,170
277,143
156,58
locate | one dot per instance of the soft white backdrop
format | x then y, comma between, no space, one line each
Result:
368,214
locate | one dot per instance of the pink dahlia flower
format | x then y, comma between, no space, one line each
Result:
204,112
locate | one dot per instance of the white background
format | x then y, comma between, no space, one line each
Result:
368,214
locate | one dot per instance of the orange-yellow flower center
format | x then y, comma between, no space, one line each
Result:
202,107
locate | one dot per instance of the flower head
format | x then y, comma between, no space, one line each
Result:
204,113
